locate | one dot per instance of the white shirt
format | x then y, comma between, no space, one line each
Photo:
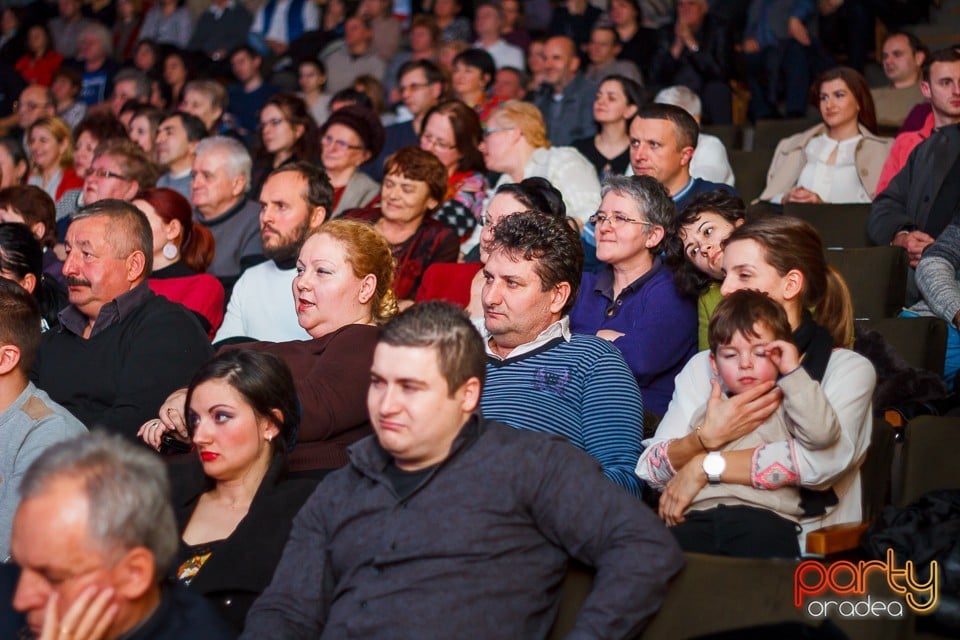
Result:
710,161
262,307
504,54
837,182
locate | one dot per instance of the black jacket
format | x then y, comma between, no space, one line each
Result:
242,565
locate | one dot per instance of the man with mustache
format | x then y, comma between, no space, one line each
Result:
121,349
295,198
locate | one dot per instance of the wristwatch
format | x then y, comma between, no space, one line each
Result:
714,465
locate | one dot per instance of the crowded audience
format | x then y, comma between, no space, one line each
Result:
410,255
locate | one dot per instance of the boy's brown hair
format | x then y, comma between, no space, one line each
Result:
740,311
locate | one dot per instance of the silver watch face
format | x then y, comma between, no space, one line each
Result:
714,464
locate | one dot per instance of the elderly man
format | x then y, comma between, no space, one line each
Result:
580,385
120,169
903,56
218,190
295,198
97,68
475,521
663,139
29,420
121,349
95,536
177,138
35,102
566,99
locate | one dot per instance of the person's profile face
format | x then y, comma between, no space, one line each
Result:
93,273
212,188
327,293
285,215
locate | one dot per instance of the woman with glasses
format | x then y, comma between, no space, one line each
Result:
351,136
287,134
515,143
632,300
451,131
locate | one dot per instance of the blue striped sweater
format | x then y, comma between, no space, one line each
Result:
581,390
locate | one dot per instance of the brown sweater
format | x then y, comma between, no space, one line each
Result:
331,374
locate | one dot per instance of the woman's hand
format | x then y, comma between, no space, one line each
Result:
171,418
728,419
88,618
799,194
784,356
681,490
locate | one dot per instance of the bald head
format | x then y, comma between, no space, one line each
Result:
560,62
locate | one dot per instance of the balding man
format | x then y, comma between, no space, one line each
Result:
566,98
121,349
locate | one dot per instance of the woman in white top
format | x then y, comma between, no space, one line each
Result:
838,161
782,257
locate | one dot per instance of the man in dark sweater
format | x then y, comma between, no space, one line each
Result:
120,349
474,521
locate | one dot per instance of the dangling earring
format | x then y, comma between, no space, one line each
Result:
170,251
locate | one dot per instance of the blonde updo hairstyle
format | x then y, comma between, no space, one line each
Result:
525,117
368,252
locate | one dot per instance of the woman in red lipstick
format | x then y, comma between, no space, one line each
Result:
234,520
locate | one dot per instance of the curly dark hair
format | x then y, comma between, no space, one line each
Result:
688,279
550,241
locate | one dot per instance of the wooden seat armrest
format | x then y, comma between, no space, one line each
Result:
836,538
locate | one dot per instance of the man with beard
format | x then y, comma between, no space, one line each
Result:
295,198
120,349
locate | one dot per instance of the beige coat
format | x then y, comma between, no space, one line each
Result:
789,160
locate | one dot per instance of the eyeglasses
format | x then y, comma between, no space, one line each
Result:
273,122
342,145
413,86
485,220
103,173
29,105
489,131
436,143
616,221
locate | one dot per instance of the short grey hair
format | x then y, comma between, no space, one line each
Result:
104,34
127,491
142,83
652,199
683,97
238,161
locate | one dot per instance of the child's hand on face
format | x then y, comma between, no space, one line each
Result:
784,355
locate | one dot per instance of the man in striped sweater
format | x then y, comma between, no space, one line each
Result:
539,376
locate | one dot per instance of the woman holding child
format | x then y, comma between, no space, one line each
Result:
783,258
